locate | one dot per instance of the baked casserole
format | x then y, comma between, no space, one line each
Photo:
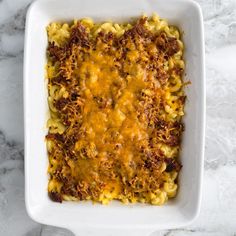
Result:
116,100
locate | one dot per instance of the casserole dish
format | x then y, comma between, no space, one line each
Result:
116,218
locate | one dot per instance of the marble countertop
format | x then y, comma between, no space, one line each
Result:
218,211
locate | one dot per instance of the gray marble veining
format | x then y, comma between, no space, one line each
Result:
218,211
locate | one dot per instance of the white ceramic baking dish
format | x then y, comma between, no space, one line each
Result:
115,219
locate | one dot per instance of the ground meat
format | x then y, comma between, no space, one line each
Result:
58,137
70,190
59,80
79,36
61,103
172,140
178,125
153,159
137,30
172,46
172,164
167,44
55,196
160,124
161,41
106,38
56,53
169,132
182,99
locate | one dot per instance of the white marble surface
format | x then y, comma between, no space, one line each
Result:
218,211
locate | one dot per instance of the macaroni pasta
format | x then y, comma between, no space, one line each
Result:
116,99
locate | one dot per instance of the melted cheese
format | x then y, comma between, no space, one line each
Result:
119,102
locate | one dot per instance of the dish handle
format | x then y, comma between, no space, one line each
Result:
111,232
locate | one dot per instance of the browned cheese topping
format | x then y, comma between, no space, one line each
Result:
117,128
